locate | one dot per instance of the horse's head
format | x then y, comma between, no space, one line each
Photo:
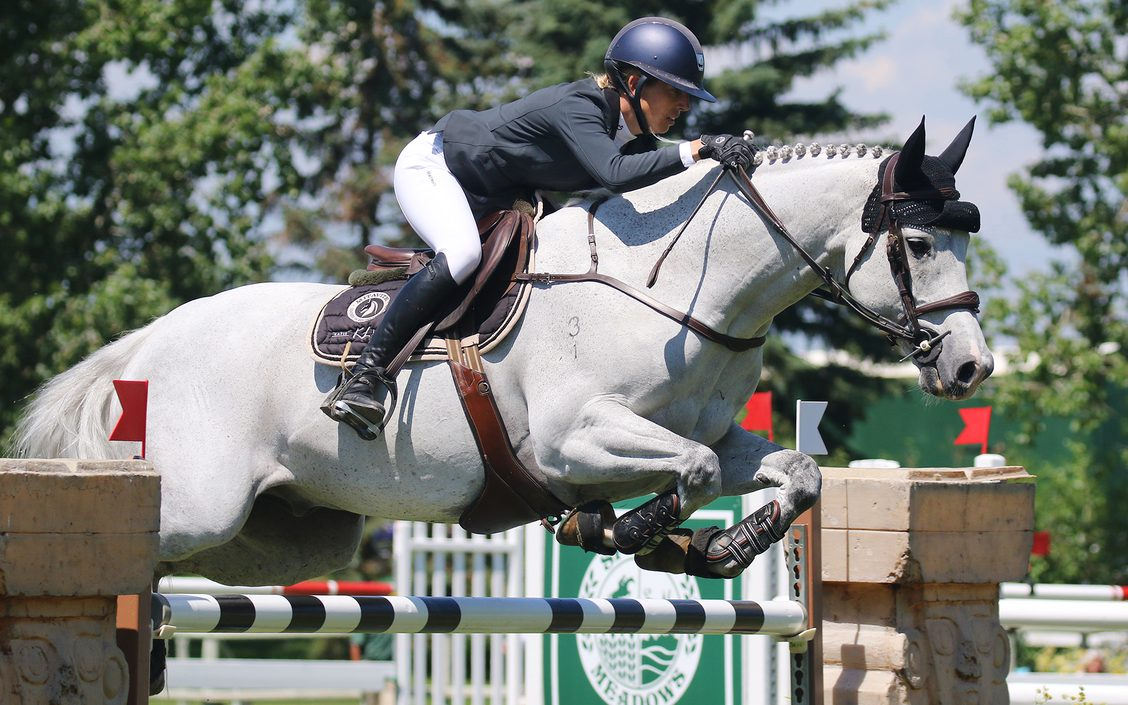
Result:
915,227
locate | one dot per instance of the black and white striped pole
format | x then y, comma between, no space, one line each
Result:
341,614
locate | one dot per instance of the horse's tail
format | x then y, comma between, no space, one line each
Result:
69,416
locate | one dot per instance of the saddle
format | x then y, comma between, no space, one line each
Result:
486,311
489,305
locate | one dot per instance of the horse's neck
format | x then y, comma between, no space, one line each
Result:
728,269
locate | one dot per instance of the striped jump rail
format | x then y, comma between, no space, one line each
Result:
340,614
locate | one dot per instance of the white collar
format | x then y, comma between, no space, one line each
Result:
623,134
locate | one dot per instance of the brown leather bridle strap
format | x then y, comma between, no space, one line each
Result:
910,331
898,263
836,292
592,275
966,299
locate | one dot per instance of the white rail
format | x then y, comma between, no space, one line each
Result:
1067,615
1051,591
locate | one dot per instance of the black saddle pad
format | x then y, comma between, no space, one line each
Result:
349,319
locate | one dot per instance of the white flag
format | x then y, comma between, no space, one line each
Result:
808,414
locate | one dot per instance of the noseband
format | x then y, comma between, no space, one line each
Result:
926,342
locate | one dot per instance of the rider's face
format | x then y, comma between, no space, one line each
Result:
662,104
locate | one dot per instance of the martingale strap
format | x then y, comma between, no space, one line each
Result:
592,275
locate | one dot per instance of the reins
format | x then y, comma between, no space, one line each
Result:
924,340
593,275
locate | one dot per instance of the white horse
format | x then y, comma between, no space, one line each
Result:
610,400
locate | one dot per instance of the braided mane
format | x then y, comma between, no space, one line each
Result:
787,153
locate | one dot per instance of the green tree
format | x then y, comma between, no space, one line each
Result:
113,209
1060,67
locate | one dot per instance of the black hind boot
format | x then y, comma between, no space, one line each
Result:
354,401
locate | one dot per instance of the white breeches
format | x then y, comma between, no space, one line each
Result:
434,204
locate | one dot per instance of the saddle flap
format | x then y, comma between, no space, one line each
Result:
510,225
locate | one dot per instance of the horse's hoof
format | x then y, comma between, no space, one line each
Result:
670,554
588,526
643,527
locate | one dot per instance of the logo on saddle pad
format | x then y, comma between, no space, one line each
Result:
654,669
368,306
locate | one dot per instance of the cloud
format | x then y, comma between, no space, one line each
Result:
875,74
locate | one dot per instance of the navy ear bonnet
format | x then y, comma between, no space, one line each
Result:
954,214
917,172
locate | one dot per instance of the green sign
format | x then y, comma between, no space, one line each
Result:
640,669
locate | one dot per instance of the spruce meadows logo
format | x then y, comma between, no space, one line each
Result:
638,669
368,306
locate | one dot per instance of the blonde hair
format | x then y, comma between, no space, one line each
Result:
604,81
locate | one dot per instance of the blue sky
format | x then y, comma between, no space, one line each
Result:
915,71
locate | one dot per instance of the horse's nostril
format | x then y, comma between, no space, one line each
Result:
966,373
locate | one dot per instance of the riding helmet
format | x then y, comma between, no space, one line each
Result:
661,49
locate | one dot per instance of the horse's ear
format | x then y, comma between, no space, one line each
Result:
912,155
953,156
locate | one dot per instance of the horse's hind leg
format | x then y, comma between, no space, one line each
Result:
276,545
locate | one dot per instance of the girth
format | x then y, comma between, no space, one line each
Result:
511,495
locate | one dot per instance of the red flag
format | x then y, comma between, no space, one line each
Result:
758,414
134,398
1041,544
977,422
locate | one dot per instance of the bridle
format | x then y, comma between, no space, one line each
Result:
926,342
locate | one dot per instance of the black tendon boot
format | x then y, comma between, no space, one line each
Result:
354,401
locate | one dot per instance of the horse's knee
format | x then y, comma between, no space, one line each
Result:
797,476
700,479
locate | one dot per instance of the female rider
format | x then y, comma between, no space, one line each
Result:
594,132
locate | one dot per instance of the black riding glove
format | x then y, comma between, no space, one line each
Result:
730,150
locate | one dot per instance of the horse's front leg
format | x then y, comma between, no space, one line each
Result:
607,450
748,463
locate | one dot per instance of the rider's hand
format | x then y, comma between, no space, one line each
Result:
730,150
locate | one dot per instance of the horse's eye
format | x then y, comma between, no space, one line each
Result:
919,246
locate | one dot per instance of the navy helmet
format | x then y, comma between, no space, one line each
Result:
662,49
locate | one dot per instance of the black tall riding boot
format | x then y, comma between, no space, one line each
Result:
354,401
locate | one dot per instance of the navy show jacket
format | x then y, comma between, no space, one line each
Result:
558,138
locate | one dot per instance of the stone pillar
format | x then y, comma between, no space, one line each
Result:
73,536
912,560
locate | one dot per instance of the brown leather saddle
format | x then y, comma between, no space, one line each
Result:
513,494
507,238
